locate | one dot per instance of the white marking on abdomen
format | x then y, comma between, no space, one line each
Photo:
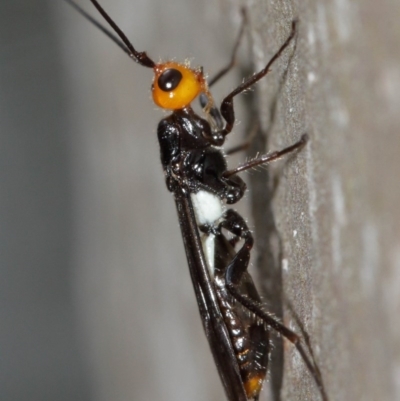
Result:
208,209
208,243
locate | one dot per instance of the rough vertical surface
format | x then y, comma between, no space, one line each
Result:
336,248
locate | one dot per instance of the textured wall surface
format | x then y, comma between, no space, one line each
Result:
335,207
335,244
96,299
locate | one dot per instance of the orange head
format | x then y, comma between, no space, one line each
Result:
176,85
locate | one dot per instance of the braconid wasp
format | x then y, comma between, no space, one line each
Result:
217,239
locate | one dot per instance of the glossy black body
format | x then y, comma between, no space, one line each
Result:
190,159
238,339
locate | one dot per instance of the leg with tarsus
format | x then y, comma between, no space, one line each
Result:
213,111
236,225
227,108
268,158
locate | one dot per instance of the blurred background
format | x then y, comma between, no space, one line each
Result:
96,301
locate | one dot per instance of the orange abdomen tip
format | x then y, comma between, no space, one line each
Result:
253,386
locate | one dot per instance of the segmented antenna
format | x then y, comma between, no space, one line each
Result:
122,42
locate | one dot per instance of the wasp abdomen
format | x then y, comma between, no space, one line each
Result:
250,343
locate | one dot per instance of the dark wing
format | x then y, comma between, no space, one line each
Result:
214,326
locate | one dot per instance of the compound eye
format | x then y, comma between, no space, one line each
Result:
169,79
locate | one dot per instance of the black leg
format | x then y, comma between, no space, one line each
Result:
227,109
314,370
213,112
235,224
310,362
265,159
257,309
232,61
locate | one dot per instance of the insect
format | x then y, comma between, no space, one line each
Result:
217,239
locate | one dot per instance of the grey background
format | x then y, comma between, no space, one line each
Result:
95,297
